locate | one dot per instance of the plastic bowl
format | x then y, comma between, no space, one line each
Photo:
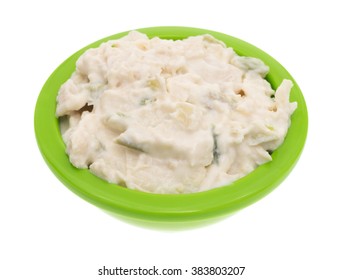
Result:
184,209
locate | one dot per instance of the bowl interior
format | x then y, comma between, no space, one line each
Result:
179,207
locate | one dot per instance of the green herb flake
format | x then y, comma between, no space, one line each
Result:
216,153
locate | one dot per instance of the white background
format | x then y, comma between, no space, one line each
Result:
47,232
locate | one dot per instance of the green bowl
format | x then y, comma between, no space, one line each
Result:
175,209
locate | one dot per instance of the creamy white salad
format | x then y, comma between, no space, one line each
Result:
166,116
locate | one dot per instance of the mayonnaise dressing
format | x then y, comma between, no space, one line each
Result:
167,116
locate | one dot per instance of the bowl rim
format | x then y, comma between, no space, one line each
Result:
170,207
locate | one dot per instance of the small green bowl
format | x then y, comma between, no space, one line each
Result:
176,209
